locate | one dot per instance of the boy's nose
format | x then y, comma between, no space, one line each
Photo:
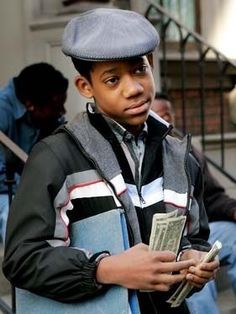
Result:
132,88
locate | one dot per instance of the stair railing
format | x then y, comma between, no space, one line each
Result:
203,52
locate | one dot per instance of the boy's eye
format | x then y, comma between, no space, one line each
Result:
141,69
111,81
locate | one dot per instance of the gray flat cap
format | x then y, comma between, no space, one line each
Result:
109,34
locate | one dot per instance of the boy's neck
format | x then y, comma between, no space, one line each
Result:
134,129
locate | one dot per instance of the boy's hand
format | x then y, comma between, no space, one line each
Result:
139,268
200,274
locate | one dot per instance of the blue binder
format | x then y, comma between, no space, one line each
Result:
106,231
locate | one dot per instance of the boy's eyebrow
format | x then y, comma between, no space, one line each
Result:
115,68
109,71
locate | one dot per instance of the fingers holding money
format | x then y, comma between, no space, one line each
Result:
198,276
169,272
164,281
139,268
165,262
175,267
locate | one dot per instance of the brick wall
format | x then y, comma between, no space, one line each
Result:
193,112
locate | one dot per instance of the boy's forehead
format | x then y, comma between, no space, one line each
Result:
109,34
114,66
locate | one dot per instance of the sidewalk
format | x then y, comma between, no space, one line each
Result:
227,302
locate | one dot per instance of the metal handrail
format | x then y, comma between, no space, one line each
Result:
161,18
191,33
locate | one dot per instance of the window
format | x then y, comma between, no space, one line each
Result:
186,11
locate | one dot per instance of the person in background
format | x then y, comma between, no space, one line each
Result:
31,107
221,211
110,156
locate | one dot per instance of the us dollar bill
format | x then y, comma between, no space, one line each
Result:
157,218
166,232
159,236
173,234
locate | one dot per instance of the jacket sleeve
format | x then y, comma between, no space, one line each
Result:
59,272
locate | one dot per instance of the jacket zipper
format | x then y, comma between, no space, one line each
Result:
186,171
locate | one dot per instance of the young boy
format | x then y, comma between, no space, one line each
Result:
114,155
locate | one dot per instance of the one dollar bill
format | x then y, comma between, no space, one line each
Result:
166,232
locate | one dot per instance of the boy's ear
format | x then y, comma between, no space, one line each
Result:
84,86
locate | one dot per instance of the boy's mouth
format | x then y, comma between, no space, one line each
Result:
139,107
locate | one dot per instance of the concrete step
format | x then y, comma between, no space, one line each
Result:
227,301
7,303
222,279
226,297
5,287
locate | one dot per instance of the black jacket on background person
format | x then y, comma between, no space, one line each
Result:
218,204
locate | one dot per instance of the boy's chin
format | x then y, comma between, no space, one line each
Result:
138,120
134,125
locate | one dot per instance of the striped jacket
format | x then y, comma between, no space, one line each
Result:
74,174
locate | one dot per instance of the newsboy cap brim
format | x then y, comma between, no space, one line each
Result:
109,34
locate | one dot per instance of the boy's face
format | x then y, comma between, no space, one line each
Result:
123,90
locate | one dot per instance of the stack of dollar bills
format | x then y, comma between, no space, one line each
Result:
166,233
